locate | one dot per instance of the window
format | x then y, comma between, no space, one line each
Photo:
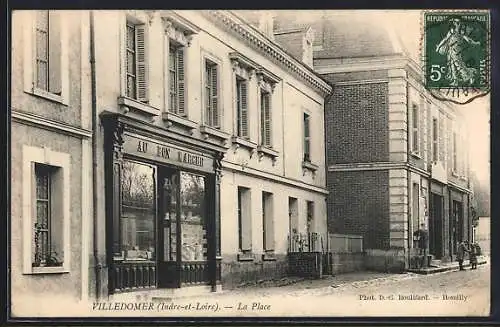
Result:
415,207
135,49
46,194
241,108
45,55
267,221
435,140
307,138
176,80
134,233
244,220
415,135
454,157
211,95
265,118
310,215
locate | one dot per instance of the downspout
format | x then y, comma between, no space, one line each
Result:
95,125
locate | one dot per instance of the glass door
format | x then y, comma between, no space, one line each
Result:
168,228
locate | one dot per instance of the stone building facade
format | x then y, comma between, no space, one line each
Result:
50,158
180,150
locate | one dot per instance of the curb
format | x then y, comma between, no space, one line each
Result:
435,270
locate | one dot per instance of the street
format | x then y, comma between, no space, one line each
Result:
452,293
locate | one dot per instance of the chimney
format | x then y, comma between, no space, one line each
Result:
266,24
307,47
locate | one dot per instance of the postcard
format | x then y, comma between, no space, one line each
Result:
250,163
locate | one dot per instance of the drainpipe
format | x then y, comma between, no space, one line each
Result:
95,125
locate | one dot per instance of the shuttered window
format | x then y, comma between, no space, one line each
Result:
265,118
136,64
415,121
454,158
242,108
176,80
307,138
48,52
211,95
434,140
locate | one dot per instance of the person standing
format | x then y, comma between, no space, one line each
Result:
462,248
475,250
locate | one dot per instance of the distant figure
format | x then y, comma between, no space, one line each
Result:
421,237
475,250
462,248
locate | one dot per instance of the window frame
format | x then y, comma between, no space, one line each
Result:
45,156
240,131
306,136
268,239
244,210
268,143
415,128
210,63
29,19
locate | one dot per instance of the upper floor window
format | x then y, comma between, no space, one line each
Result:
454,157
176,80
265,118
212,117
242,107
435,139
307,138
415,133
45,56
136,65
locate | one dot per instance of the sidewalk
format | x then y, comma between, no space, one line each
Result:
481,260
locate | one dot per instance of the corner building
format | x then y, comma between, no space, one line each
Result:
210,151
397,157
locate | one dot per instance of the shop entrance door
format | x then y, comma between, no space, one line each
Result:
436,226
182,226
168,245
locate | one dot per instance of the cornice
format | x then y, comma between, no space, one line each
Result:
264,45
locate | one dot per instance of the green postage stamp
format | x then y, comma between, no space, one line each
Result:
456,54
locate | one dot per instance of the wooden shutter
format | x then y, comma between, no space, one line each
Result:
214,98
55,73
307,142
141,71
244,109
267,120
180,82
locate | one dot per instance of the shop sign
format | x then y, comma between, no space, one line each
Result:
168,153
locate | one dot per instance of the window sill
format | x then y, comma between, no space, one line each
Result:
132,104
416,155
48,270
245,256
214,132
48,96
266,151
268,255
173,119
241,142
309,166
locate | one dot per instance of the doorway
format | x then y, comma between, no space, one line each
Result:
182,229
436,225
457,225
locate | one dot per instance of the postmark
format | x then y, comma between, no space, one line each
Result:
456,54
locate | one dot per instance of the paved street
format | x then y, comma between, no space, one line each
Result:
453,293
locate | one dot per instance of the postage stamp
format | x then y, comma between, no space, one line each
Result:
456,54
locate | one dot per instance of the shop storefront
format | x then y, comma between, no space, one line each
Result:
162,207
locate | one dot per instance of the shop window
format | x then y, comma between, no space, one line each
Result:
265,119
212,114
46,194
242,107
244,220
176,68
267,221
134,233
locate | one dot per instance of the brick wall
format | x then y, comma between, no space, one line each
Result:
357,120
358,204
